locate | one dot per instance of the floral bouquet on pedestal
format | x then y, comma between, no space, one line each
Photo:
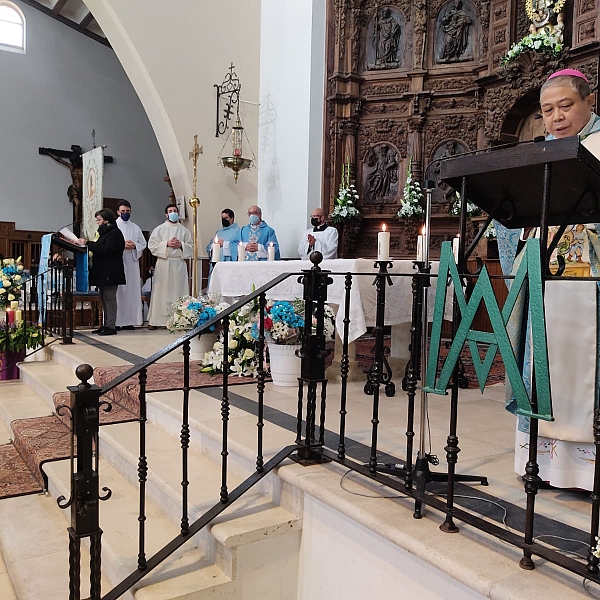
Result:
188,312
412,197
11,280
345,202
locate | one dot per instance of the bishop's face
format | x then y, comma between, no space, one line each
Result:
565,112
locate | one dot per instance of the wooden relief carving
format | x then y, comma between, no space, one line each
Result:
500,12
454,32
380,175
586,6
386,36
385,89
586,31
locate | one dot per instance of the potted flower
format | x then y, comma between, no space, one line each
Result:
11,280
187,313
15,340
284,327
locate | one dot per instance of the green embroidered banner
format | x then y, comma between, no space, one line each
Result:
528,280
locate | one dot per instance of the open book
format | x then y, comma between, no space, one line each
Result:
69,235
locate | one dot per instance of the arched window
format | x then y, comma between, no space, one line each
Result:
12,27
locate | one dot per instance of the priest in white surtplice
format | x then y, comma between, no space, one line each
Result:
171,243
129,303
320,237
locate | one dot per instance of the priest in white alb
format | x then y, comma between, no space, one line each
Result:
129,303
172,244
319,236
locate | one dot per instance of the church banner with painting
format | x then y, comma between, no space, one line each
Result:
93,171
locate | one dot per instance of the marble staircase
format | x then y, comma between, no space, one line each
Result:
250,551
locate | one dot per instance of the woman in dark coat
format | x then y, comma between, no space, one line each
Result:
107,271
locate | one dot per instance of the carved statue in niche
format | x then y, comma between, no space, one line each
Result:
454,38
546,17
444,194
381,180
384,40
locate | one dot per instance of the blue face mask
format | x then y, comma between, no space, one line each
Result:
253,219
173,217
125,216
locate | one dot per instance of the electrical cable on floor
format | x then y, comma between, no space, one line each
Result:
505,511
364,495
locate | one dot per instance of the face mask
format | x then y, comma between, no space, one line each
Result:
225,223
315,221
125,216
253,219
173,217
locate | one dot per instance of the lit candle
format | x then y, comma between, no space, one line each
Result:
241,251
18,316
216,251
383,244
455,244
271,251
420,248
10,315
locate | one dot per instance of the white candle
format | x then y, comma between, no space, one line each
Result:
271,251
241,251
383,244
455,244
18,316
420,248
14,304
216,251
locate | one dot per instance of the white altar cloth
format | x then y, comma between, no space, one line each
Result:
234,279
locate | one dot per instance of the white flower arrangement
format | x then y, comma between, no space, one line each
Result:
490,232
411,197
472,209
538,42
11,280
347,197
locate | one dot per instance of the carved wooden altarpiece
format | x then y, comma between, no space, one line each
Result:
416,79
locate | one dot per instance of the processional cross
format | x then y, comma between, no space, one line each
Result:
194,203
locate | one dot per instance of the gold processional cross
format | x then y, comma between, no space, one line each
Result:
194,203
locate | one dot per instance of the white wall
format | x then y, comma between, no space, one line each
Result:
174,53
340,558
292,72
64,86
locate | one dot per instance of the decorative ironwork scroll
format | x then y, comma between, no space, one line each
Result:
229,90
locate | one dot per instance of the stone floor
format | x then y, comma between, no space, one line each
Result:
485,430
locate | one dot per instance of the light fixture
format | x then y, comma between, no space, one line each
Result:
229,92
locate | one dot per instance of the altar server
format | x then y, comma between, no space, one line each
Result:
257,236
565,447
226,237
129,304
320,237
171,243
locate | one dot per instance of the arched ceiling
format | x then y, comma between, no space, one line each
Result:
72,13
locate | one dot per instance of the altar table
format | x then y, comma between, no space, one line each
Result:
234,279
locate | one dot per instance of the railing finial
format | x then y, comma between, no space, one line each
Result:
83,373
316,258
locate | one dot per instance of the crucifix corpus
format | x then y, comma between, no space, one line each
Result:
73,161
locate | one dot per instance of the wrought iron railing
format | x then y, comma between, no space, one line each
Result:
409,476
46,298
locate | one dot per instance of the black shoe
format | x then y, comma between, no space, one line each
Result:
97,330
118,328
127,328
107,331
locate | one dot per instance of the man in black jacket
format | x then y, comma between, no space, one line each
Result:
107,271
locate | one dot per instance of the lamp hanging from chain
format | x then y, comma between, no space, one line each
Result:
230,91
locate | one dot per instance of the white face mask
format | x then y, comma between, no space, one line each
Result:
173,217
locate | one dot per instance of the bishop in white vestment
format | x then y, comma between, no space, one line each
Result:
129,303
171,243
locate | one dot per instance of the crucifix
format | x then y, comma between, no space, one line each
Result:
194,202
73,161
